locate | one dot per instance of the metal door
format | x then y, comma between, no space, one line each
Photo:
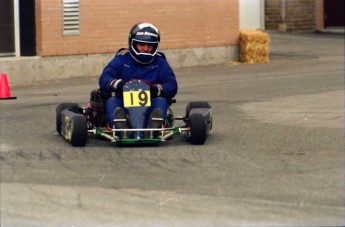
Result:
7,42
334,13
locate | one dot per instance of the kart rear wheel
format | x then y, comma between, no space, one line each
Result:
78,132
196,104
60,108
198,130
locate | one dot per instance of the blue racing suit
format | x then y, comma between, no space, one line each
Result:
124,67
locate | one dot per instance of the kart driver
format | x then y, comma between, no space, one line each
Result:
141,61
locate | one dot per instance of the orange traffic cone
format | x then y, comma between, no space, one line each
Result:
5,92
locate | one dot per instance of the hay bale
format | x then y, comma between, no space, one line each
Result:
254,46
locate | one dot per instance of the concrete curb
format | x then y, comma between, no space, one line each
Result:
30,70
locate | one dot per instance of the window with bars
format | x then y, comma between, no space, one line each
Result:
70,17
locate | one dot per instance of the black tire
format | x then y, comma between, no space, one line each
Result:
196,104
198,130
78,133
60,108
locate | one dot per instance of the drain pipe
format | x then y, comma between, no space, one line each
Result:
282,25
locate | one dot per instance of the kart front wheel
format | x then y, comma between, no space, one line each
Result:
196,104
60,108
198,131
78,131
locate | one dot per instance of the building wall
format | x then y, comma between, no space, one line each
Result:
104,25
319,15
290,15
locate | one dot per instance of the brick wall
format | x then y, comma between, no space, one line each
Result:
104,25
272,14
295,15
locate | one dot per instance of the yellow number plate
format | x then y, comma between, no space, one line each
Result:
136,98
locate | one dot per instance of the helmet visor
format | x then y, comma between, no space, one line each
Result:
144,48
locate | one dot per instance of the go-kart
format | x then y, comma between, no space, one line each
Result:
75,123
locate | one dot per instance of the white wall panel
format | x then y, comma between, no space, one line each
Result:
252,14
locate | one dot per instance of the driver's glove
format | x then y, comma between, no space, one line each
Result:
117,85
156,90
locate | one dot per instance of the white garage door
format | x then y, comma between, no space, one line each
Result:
252,14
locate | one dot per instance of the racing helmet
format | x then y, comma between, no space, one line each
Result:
143,33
